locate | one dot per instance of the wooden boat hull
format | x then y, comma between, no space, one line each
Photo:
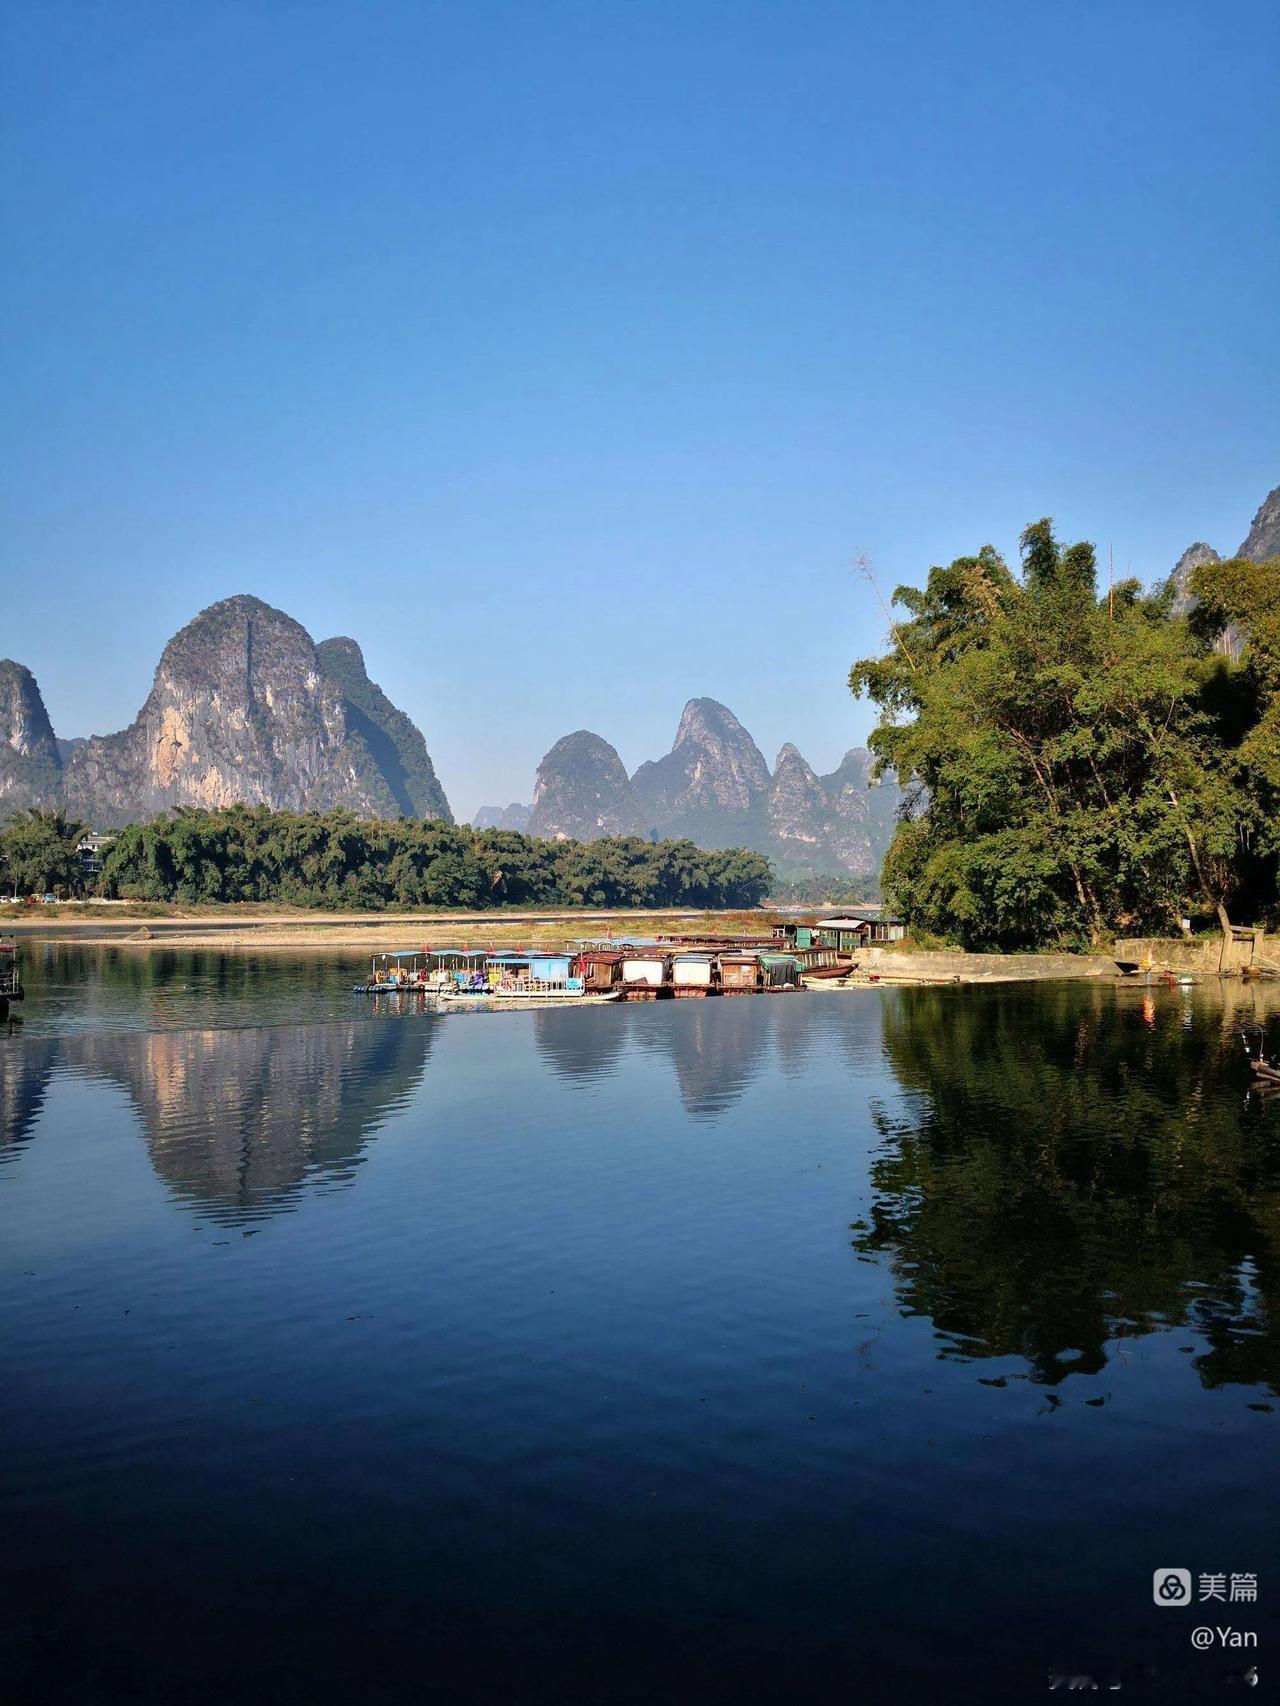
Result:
524,998
392,989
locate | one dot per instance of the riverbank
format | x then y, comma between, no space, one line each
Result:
265,925
893,964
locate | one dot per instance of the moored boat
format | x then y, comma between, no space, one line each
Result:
646,974
740,974
695,973
601,969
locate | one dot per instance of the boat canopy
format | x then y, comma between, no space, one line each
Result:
538,957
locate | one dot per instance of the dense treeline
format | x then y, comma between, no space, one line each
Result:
1080,764
826,890
339,860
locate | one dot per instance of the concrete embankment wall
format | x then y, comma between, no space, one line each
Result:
1179,952
1208,954
984,968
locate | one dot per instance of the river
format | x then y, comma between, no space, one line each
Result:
871,1346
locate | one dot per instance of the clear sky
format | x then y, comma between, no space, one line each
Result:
565,353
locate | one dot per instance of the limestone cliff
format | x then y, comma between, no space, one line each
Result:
1180,579
714,772
797,807
1263,539
582,791
1261,542
30,765
241,711
395,742
821,823
864,813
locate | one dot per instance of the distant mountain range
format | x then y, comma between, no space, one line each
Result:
515,816
715,788
244,708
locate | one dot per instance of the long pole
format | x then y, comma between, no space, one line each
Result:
862,566
1111,584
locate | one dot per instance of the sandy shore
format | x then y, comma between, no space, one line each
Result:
252,927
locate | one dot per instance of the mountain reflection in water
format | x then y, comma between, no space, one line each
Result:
715,1048
547,1367
235,1121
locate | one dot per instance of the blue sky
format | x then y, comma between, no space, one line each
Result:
565,354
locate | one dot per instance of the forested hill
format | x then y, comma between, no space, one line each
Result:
338,860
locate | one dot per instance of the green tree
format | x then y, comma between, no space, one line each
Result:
335,859
38,854
1064,766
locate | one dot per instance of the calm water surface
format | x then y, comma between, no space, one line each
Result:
874,1346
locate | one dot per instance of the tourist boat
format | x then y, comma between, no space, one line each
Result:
601,970
401,973
537,978
10,976
483,977
695,973
759,973
779,971
587,976
740,974
646,974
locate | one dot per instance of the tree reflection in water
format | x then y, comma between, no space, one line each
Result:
1067,1170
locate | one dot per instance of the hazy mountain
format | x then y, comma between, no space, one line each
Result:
515,816
715,787
30,764
865,812
797,806
245,710
714,772
582,791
